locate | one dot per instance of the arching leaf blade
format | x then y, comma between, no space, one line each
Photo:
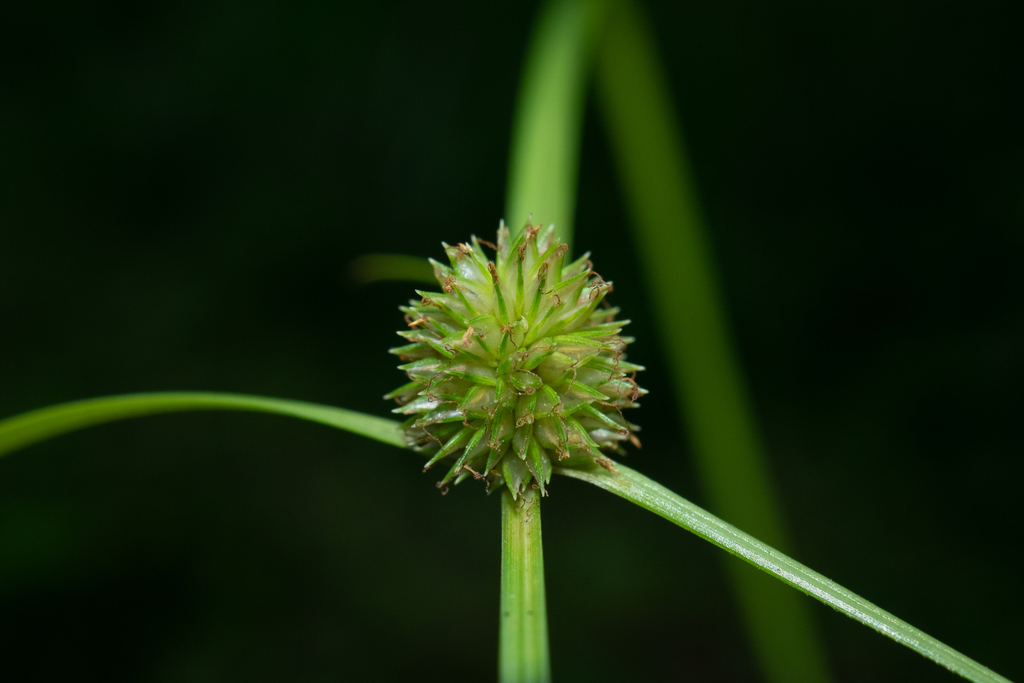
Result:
32,427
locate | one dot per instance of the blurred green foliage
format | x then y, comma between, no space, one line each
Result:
681,274
182,185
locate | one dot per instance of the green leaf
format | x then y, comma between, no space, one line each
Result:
38,425
686,295
651,495
370,268
523,639
544,159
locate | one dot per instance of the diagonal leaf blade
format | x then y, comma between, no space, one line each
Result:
671,236
46,423
649,494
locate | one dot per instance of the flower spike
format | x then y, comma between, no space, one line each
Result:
515,365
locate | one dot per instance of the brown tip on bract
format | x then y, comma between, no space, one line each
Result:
509,368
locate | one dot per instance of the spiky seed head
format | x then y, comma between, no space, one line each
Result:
515,364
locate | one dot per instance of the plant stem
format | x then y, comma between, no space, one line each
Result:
523,640
686,295
651,495
544,159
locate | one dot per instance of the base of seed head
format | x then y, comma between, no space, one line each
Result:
516,364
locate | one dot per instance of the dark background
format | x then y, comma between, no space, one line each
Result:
182,186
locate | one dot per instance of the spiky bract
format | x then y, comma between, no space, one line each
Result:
516,364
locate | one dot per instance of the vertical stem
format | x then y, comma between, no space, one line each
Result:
523,638
544,159
543,168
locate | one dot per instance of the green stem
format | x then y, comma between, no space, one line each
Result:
651,495
38,425
523,640
544,159
686,295
543,168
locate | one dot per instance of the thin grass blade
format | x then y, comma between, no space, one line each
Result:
651,495
523,639
671,237
38,425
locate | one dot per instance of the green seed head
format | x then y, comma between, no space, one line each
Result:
517,363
